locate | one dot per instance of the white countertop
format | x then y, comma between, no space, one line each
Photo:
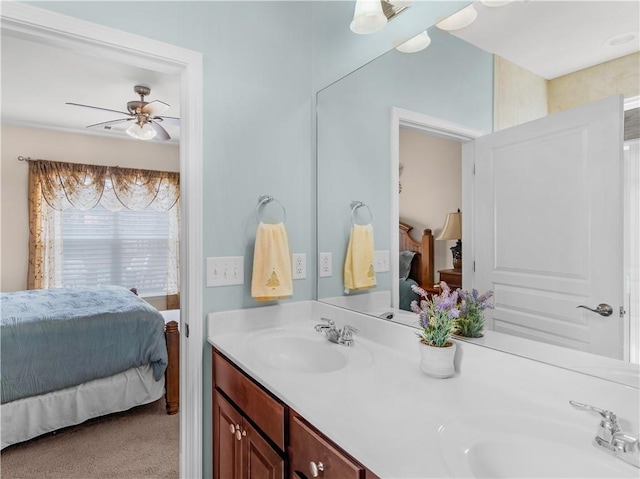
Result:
386,413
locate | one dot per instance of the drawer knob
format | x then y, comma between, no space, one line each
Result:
315,469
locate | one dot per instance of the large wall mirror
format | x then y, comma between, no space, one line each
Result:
394,136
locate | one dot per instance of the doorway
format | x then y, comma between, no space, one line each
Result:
33,24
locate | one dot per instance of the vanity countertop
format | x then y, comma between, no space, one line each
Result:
386,413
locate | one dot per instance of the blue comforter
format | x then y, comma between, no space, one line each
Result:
53,339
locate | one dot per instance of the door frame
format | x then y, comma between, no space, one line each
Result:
43,26
444,129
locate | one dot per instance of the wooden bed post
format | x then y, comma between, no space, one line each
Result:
172,374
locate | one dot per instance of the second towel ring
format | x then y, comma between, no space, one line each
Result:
264,200
355,205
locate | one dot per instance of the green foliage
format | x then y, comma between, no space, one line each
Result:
471,325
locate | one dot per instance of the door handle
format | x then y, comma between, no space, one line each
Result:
602,309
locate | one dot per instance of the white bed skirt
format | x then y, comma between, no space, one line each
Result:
30,417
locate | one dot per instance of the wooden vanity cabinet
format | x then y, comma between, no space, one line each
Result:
240,451
242,414
311,453
255,436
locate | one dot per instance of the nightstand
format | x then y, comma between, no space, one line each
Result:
453,277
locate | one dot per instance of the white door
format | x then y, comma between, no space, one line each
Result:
548,232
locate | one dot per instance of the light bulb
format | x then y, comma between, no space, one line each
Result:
368,17
461,19
141,132
415,44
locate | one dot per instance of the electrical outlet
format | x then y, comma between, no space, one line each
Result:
299,266
381,261
324,265
225,271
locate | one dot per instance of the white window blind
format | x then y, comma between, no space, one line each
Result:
126,248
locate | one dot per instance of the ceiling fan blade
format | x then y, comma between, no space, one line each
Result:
112,122
98,108
155,108
161,133
170,120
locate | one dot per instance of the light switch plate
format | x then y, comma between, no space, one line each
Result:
381,261
224,271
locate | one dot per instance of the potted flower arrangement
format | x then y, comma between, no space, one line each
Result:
470,322
437,313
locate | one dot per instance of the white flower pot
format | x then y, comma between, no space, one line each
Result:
437,362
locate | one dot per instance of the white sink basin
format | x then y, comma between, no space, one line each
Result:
517,446
303,351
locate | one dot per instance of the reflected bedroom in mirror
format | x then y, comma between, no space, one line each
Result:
496,162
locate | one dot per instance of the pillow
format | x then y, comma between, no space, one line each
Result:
406,257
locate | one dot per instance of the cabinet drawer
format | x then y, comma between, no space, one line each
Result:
306,445
265,411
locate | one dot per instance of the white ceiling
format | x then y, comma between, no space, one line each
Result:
549,38
554,38
37,81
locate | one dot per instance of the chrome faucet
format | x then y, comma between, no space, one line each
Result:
342,336
611,438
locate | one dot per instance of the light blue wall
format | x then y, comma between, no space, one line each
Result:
451,80
257,125
263,61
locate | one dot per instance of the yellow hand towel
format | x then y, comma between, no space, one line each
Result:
358,265
271,277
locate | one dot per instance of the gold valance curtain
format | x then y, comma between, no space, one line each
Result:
56,186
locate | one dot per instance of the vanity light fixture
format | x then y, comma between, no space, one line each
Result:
452,230
458,20
142,131
368,17
415,44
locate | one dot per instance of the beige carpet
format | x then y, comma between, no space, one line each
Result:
139,443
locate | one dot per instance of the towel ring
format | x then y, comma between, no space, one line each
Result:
355,205
264,200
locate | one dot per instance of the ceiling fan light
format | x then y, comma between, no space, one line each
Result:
461,19
141,132
368,17
415,44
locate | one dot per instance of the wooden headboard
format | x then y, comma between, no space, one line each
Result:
422,266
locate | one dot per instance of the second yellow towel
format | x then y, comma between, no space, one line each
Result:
358,265
271,277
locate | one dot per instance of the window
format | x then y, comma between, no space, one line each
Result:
126,248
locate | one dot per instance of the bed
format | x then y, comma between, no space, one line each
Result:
72,354
416,264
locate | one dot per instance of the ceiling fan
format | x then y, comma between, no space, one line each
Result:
145,117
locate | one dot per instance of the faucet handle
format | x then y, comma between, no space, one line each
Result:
609,424
330,322
609,415
347,332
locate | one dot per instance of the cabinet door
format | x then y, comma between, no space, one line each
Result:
227,435
311,455
260,460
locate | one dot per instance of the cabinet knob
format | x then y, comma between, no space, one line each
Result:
232,428
238,435
315,469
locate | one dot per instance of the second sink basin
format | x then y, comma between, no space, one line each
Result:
519,446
